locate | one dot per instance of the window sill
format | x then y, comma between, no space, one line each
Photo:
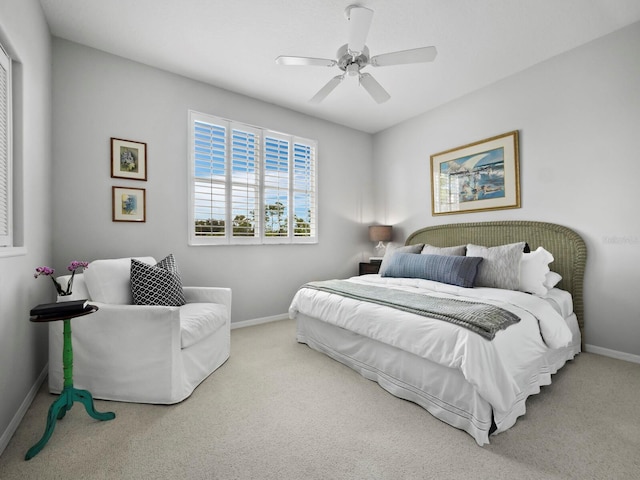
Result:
12,251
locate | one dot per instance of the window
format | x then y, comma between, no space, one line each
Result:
6,227
249,184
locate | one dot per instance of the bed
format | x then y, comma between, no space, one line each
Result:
473,383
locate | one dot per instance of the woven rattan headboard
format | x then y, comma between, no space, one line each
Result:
566,246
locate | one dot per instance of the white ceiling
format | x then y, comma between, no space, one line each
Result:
232,44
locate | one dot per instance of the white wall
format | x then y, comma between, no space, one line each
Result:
579,116
23,345
98,96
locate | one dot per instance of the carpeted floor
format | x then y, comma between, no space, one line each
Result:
279,410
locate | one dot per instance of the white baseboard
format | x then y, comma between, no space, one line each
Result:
17,418
258,321
629,357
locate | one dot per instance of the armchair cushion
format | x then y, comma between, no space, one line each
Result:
199,320
108,281
156,284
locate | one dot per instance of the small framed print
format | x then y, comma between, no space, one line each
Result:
128,159
129,204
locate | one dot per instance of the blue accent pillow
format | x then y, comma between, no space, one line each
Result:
393,249
451,269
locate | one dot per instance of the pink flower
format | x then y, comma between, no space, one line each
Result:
48,271
43,271
77,264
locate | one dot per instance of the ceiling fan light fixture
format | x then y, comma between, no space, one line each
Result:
353,69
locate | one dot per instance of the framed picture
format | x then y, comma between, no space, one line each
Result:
481,176
128,159
129,204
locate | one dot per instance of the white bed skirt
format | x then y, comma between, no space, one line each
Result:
442,391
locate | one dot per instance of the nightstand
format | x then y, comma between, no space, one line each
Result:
369,267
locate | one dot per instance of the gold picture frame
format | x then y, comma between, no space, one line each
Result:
128,204
128,159
480,176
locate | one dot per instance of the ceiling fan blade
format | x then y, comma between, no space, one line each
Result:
376,91
305,61
359,23
415,55
327,89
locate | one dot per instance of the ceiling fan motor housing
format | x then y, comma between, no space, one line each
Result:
350,64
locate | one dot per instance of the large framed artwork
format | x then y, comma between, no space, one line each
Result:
128,159
129,204
480,176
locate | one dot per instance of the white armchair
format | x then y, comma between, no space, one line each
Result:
140,353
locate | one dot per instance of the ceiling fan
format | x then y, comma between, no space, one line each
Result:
352,57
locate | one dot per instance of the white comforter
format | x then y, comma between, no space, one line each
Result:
498,369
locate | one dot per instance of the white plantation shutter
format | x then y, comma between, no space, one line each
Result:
5,151
304,189
276,186
250,185
245,177
210,176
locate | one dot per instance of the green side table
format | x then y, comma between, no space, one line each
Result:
69,394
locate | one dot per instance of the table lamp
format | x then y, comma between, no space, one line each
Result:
380,234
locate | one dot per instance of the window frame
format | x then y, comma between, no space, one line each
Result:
260,238
6,168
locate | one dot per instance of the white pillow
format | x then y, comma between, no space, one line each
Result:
109,281
552,279
534,268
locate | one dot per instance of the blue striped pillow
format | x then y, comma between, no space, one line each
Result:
451,269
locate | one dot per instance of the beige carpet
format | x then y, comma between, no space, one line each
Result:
279,410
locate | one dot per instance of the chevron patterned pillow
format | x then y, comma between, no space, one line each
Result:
158,284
